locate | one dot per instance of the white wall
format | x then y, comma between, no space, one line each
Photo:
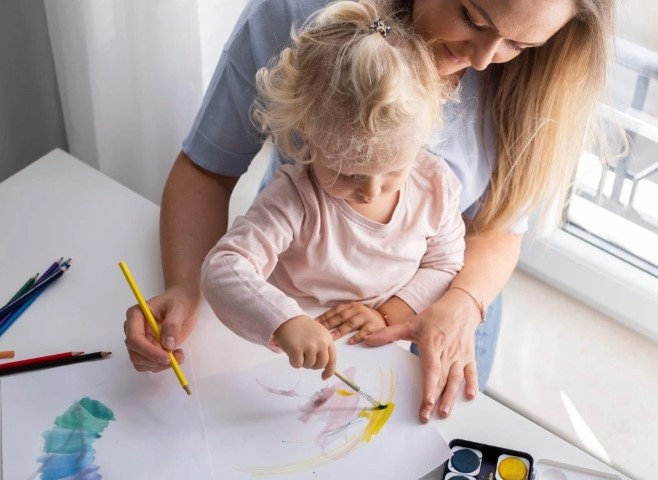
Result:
31,121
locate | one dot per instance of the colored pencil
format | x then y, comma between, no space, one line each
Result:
155,328
31,361
35,279
39,285
7,354
53,267
11,317
26,286
55,363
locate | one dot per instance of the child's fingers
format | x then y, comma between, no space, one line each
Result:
346,327
296,359
331,363
321,359
310,357
334,317
364,331
333,321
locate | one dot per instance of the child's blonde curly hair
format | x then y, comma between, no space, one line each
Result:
346,90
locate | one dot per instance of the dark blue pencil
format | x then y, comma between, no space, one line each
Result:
39,285
51,269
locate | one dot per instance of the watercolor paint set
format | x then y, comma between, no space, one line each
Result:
478,461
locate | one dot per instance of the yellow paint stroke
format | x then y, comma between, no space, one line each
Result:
344,393
376,421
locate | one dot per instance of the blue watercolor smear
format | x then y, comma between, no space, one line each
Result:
68,445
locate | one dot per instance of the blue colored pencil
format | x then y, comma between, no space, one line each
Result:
34,287
50,270
39,285
9,320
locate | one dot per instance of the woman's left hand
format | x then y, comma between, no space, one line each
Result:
445,334
349,317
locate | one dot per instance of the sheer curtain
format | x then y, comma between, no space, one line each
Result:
131,76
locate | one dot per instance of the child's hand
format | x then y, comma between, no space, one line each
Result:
307,344
349,317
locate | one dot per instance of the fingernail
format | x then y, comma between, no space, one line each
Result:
445,410
165,361
471,393
426,415
170,342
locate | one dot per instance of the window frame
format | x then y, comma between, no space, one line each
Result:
595,277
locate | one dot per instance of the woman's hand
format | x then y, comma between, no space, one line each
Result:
307,344
175,311
349,317
445,334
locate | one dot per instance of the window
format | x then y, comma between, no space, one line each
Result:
606,253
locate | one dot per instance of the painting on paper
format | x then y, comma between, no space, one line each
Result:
275,421
100,420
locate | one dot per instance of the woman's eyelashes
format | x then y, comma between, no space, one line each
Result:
466,17
469,21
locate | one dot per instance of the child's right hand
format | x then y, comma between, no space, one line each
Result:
307,344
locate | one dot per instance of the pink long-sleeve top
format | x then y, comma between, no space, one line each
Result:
310,244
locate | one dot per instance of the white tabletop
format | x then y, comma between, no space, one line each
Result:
59,206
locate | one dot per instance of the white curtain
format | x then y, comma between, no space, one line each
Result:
131,76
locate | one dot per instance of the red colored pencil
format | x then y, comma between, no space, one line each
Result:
30,361
87,357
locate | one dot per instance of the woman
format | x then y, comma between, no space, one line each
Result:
528,76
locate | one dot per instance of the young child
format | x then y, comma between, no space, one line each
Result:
366,221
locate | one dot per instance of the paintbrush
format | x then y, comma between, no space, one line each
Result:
358,390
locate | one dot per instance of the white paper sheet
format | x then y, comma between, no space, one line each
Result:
275,421
156,433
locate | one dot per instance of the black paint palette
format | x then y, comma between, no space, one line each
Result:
477,461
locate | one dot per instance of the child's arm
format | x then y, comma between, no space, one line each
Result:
233,275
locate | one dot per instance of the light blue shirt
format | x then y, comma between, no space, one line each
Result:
224,140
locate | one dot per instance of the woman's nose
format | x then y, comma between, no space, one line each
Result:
482,51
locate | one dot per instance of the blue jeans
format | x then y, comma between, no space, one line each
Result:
486,339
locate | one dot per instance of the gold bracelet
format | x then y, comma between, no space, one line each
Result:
478,304
384,316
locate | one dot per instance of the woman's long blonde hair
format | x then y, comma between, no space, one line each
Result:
544,114
346,91
544,105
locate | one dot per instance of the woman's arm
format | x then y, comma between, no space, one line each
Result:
194,214
445,331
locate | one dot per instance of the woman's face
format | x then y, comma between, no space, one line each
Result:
476,33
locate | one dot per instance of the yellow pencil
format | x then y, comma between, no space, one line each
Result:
153,324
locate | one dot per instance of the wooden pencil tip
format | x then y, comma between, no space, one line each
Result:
105,354
187,389
75,354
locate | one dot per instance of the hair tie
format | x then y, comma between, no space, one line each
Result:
380,27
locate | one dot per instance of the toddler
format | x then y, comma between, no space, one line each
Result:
365,221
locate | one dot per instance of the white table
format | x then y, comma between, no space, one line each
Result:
58,206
